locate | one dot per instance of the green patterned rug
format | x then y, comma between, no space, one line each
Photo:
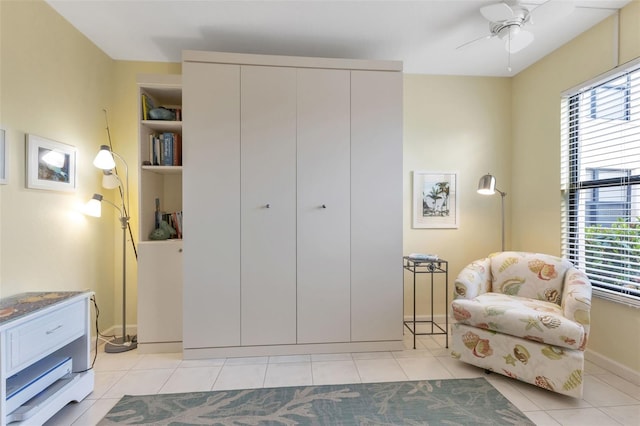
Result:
427,402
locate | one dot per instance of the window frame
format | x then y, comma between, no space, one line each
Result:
575,245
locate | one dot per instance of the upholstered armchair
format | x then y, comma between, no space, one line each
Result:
524,315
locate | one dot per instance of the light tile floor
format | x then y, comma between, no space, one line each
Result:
608,399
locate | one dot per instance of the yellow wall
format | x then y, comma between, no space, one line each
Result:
535,193
55,83
55,90
462,125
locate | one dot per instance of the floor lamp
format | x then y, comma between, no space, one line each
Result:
487,186
105,161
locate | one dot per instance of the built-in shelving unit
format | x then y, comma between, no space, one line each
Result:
156,179
159,261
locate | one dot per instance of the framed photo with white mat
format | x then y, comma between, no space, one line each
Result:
435,200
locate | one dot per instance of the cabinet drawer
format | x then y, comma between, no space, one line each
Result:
45,334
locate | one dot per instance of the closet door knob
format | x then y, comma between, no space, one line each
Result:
267,206
324,206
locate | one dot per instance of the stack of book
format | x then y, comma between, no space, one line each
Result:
175,220
421,257
165,149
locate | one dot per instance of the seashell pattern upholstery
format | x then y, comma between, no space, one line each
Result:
524,315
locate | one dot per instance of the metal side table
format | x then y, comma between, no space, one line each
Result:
431,267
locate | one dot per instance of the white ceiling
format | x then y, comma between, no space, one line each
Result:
422,34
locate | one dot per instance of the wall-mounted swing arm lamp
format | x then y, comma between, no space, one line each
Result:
105,161
487,186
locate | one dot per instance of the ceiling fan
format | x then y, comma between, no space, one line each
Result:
508,20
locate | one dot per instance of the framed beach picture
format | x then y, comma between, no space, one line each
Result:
50,165
435,200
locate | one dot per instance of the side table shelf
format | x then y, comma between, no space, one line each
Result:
433,268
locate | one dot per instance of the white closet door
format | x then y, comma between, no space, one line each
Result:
211,201
268,218
323,206
376,205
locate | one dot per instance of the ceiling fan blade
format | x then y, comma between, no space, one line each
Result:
486,37
518,41
552,10
497,12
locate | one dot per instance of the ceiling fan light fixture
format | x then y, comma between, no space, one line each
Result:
518,41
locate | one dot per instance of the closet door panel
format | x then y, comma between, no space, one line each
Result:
211,192
268,200
323,206
376,206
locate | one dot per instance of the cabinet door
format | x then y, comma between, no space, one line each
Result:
376,205
323,206
160,291
211,200
268,200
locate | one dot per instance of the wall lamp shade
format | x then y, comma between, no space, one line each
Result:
487,185
104,160
94,206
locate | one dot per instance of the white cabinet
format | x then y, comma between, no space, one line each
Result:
323,231
160,283
293,184
268,205
45,357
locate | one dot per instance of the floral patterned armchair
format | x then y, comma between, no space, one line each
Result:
524,315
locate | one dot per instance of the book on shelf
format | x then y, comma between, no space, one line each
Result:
147,105
162,112
165,149
174,220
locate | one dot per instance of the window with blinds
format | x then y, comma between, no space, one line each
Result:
600,124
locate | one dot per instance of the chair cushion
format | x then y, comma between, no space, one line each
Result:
523,317
531,275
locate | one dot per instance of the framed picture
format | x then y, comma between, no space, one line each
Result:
50,165
435,200
3,159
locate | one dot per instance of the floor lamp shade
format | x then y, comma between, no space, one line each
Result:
487,185
94,206
104,159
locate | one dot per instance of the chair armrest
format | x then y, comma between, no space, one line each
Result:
576,299
473,280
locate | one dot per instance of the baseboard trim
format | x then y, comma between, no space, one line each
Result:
162,347
613,366
116,330
300,349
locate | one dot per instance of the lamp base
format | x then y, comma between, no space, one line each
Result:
121,344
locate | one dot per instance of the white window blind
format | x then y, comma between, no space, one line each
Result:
601,182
